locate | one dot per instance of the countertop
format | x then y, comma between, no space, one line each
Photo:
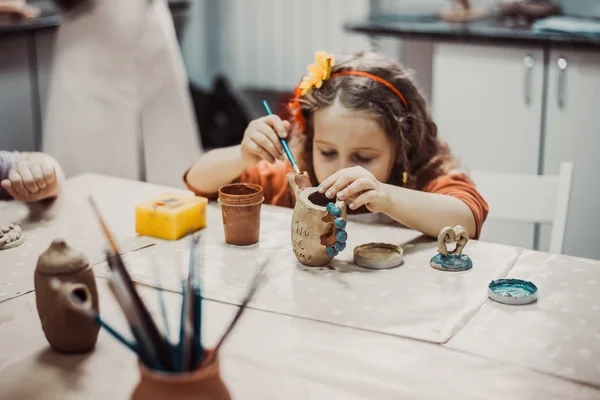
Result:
485,31
50,17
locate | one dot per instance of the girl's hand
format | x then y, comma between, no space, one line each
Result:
358,184
32,180
261,140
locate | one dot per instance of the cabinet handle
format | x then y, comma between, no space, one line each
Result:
529,62
562,64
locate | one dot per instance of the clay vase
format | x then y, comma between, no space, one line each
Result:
312,226
67,330
240,208
203,384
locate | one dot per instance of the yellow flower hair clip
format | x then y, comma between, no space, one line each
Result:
318,72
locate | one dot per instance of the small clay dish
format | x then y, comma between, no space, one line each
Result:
378,255
512,291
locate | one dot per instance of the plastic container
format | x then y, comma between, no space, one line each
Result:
240,208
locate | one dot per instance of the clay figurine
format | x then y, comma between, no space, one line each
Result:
10,236
66,329
454,260
318,225
462,11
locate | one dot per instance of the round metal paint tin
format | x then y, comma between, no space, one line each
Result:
512,291
378,255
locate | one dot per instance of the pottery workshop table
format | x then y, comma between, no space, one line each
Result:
316,333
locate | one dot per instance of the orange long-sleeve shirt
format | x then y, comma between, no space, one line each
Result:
277,191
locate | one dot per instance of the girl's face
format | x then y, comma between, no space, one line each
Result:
344,140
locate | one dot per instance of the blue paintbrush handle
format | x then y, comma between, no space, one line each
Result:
284,144
115,334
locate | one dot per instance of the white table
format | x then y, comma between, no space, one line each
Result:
353,345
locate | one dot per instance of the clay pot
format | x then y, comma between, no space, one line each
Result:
67,330
240,208
203,384
312,225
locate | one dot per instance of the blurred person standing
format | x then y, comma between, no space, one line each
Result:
119,103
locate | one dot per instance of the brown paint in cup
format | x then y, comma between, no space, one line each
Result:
240,208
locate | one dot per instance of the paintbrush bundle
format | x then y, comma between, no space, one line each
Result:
153,347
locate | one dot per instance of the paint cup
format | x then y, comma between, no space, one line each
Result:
204,383
240,208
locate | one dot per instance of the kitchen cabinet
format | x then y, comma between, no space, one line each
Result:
572,133
487,102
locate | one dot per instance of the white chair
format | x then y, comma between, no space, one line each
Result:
529,198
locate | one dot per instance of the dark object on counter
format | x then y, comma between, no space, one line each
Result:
72,6
221,117
527,10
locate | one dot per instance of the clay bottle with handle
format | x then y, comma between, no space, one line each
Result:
66,329
313,228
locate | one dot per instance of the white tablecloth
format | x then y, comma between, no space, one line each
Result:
559,334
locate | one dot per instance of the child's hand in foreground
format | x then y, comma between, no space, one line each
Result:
32,180
358,184
261,140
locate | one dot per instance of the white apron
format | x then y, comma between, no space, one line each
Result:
118,102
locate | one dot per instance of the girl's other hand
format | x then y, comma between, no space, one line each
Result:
261,140
360,186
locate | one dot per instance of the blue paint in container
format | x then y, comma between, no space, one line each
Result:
512,291
451,262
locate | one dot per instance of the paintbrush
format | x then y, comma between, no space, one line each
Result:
258,277
198,348
77,297
131,303
284,144
187,331
118,288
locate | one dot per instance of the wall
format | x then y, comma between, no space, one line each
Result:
267,43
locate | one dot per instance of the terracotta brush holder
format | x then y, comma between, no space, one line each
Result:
240,208
314,230
67,330
203,384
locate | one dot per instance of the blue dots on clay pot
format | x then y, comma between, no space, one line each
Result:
341,236
339,246
331,251
339,223
333,210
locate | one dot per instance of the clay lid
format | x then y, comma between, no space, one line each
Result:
378,255
60,258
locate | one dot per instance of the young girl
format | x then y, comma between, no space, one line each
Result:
364,134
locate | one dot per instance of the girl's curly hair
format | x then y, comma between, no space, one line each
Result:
418,150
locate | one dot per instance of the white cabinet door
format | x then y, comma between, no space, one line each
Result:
16,116
487,102
573,134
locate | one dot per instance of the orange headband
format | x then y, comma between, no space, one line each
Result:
376,78
295,105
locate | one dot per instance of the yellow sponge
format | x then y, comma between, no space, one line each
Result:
170,216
